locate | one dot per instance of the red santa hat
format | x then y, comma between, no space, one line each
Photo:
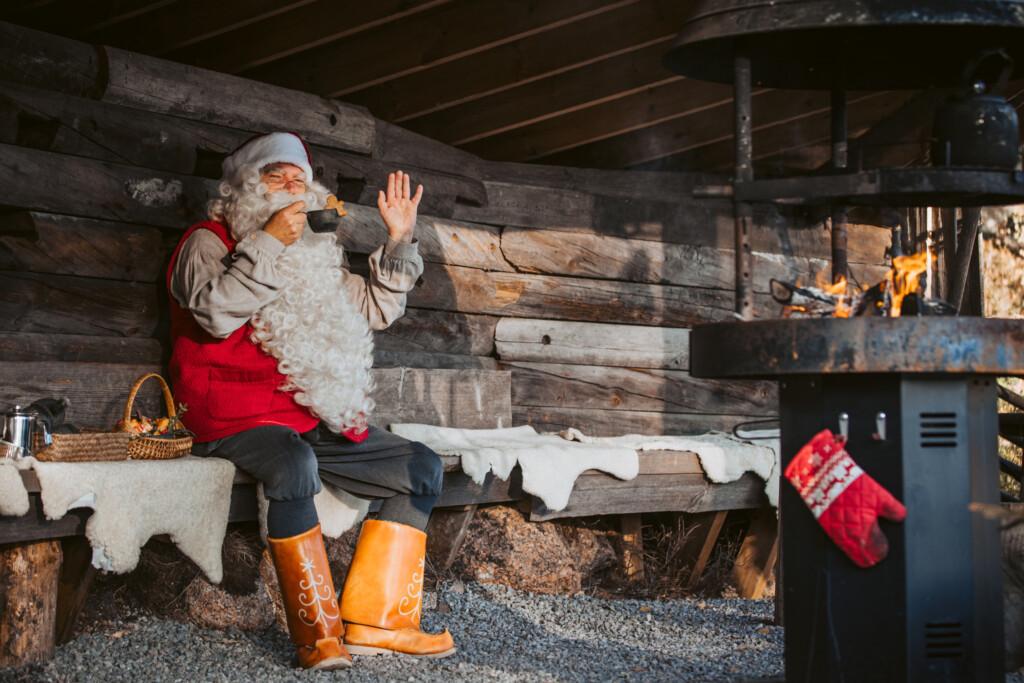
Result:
263,150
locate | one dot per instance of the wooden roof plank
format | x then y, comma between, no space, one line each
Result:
692,132
651,107
605,81
784,141
523,61
455,30
76,18
303,28
186,22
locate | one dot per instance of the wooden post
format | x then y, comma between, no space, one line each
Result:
704,538
755,562
76,576
632,547
445,533
28,586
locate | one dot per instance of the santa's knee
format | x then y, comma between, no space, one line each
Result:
428,471
293,473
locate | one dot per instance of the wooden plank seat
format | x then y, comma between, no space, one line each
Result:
668,481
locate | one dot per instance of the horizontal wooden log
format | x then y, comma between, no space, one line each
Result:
440,240
606,495
422,359
448,398
583,254
33,525
603,388
468,290
117,192
460,490
25,346
683,221
99,189
559,341
142,82
98,391
671,187
619,422
56,122
63,304
67,245
439,332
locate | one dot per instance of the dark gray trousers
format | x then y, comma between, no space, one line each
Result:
406,474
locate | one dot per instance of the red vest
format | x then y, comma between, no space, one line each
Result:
229,385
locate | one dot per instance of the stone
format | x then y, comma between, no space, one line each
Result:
542,557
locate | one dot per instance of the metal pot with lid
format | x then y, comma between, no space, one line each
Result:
18,429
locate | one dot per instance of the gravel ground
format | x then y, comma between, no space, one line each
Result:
503,635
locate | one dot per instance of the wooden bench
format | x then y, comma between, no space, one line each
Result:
668,481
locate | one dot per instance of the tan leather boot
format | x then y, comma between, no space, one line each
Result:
383,594
310,603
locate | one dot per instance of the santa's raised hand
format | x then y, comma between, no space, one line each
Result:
398,206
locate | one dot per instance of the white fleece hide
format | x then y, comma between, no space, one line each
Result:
550,464
186,498
337,510
13,496
723,457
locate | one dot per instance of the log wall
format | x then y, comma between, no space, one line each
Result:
582,283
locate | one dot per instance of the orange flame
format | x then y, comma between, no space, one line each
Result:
838,289
905,278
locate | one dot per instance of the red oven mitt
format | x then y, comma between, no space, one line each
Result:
846,502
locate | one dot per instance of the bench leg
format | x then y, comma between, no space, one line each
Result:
632,547
758,554
29,574
445,533
709,526
76,576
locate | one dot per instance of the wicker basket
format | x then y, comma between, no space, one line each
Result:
142,447
84,447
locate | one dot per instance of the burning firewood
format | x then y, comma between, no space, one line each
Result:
900,293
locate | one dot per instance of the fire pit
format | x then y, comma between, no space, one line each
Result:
915,395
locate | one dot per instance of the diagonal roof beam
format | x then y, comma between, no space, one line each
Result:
304,28
175,26
454,31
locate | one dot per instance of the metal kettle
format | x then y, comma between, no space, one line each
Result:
18,430
977,128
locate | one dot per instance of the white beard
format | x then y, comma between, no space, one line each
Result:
322,343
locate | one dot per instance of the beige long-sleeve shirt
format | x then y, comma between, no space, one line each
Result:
223,290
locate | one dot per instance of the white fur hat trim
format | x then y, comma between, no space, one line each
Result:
272,148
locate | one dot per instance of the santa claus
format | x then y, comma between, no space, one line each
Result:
272,348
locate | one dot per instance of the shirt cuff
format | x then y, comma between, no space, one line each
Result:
403,251
265,243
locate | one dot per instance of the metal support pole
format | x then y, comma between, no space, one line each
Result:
840,147
971,223
948,219
744,173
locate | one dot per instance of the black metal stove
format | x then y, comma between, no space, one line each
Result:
915,396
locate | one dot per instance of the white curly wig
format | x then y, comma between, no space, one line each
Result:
321,341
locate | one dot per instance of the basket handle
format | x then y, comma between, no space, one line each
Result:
168,398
